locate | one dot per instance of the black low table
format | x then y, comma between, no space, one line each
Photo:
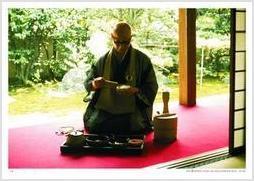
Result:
107,143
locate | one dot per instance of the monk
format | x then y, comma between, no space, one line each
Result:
125,108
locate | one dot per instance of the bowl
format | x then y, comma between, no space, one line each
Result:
97,140
119,142
75,139
121,89
135,142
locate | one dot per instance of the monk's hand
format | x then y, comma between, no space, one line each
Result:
127,90
98,83
132,91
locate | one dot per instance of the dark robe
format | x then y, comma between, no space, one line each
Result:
138,122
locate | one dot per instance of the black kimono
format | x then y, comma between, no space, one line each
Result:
137,117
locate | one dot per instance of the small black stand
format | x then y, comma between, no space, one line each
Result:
114,143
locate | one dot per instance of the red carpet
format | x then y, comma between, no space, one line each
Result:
201,128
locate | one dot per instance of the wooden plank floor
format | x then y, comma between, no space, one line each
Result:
231,162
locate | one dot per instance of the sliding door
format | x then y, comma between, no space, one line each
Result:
237,137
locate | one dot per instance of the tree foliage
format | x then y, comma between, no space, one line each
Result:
33,33
215,21
45,43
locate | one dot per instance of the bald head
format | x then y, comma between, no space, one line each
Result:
121,36
122,30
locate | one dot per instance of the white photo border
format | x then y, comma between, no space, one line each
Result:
123,173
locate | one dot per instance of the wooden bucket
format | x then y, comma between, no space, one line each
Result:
165,124
165,128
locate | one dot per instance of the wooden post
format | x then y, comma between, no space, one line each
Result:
165,99
187,57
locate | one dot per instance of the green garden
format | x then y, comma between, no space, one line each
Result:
50,50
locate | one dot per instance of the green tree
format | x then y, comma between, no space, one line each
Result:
33,32
29,30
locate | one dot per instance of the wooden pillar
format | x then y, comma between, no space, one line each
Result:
187,57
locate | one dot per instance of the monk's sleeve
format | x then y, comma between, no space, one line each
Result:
93,72
148,84
90,75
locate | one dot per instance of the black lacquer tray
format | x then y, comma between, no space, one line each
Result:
105,143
